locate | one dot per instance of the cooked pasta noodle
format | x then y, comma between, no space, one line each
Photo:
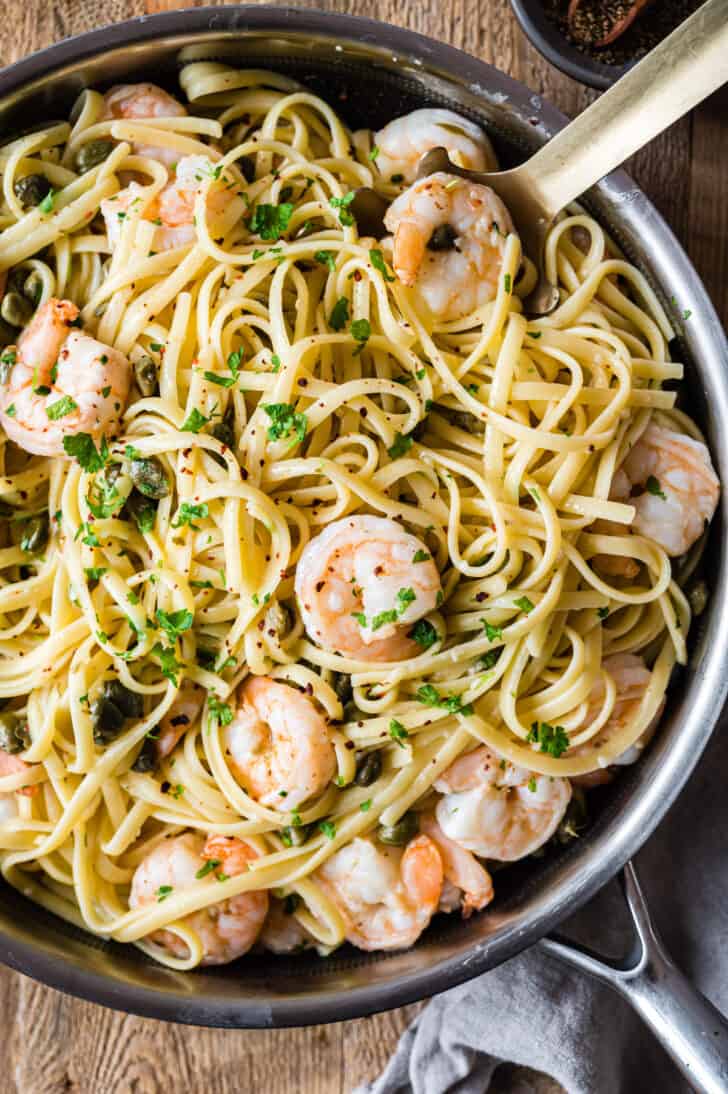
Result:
296,391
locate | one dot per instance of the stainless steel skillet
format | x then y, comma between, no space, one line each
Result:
371,72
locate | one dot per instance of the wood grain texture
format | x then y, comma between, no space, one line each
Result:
57,1045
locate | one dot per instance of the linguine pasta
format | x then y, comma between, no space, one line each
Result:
298,382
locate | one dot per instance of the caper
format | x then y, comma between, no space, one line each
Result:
146,375
400,833
443,238
342,687
14,736
295,835
699,597
368,209
33,287
92,154
15,309
148,475
279,618
224,431
107,718
35,534
31,190
141,510
8,335
130,703
247,167
147,757
368,769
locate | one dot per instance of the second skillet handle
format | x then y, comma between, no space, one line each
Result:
678,74
687,1025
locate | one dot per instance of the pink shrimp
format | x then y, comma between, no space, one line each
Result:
61,382
471,882
361,585
386,896
135,102
228,928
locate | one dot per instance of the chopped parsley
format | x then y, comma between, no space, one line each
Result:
188,512
270,221
339,314
360,331
653,487
46,205
532,784
397,732
168,663
374,153
524,604
421,556
346,219
366,806
210,865
424,634
328,828
602,612
174,623
195,421
401,446
552,739
93,573
61,408
507,282
104,500
12,411
218,713
431,697
491,633
404,598
326,258
163,892
285,419
488,660
177,791
377,260
388,616
81,447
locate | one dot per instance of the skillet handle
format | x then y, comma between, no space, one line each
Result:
689,1028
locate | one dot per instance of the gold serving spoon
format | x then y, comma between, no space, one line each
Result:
678,74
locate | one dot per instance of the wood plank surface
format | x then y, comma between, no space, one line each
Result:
55,1045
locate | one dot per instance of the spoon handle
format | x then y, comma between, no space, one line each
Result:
678,74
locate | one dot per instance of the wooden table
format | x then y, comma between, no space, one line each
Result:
53,1044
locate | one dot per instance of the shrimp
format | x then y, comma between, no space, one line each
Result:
497,810
172,209
449,236
282,932
632,678
139,101
228,928
11,764
183,712
386,896
361,585
279,744
402,143
467,883
62,383
680,487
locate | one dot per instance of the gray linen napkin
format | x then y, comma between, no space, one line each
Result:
535,1011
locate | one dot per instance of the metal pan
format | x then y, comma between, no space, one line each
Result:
371,72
